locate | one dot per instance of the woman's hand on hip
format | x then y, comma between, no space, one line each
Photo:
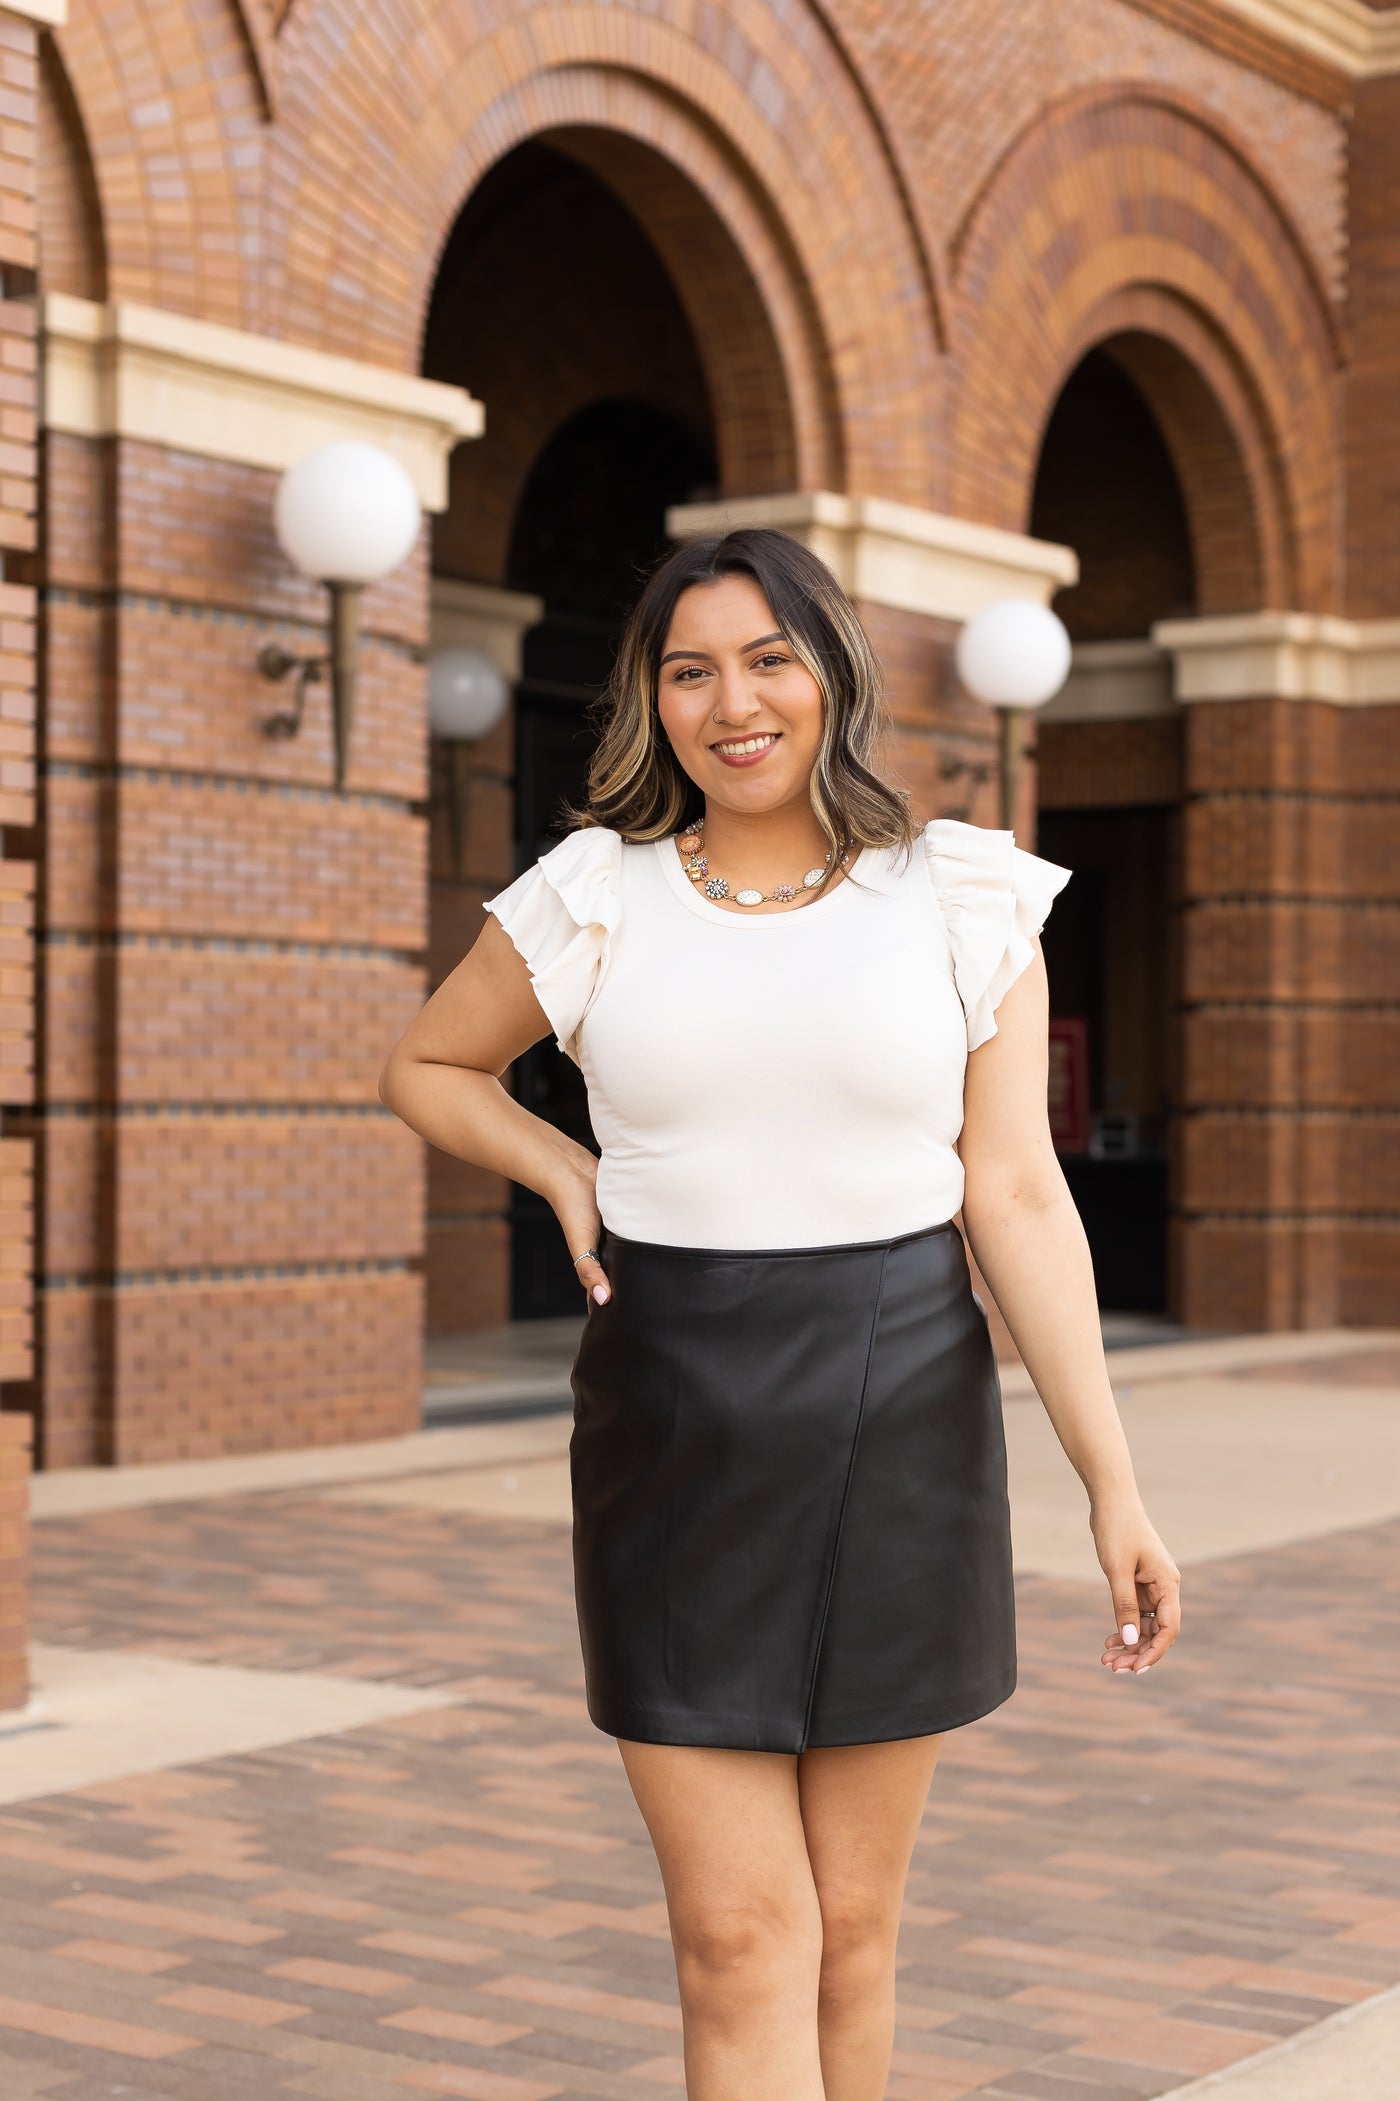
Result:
1144,1581
576,1208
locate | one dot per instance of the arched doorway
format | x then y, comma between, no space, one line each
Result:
1110,758
589,526
563,303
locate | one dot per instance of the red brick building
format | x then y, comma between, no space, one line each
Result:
948,288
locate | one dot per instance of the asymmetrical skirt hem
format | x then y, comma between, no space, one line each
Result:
717,1732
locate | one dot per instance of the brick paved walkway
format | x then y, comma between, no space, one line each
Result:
1118,1887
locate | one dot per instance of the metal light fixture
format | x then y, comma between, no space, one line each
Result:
346,515
1015,656
468,694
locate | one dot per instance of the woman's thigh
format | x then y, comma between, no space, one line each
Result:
728,1831
861,1805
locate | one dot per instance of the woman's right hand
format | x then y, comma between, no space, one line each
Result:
576,1208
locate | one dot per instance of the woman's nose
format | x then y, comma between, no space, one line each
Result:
736,703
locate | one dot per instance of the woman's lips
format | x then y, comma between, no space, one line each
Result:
738,752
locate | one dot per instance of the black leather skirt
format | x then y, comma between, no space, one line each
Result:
789,1486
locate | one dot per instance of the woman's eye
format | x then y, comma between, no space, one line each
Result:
772,658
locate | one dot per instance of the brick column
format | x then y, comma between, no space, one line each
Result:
1288,1137
18,483
233,1223
468,1231
14,1560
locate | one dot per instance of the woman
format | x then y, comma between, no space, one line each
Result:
811,1033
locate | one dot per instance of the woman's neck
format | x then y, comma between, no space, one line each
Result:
764,848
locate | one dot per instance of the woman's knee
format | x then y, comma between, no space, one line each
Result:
859,1935
747,1946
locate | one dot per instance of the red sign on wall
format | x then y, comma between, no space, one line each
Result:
1069,1085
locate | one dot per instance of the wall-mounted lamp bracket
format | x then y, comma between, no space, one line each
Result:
275,664
975,772
342,664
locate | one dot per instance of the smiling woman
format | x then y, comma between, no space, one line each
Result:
745,657
810,1033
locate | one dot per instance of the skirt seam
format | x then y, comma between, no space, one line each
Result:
845,1498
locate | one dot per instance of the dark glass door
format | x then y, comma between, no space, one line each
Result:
1108,954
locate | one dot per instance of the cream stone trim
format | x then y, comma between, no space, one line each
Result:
1284,656
224,394
893,554
1342,33
52,13
1114,682
484,617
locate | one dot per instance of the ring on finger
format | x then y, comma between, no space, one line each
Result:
590,1254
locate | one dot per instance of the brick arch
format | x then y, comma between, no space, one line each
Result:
72,240
1127,220
550,299
174,115
750,384
818,222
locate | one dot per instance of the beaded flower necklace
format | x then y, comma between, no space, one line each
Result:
692,844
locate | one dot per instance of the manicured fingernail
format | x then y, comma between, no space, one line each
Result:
600,1292
1143,1669
1130,1634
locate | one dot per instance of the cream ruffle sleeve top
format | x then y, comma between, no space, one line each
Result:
789,1080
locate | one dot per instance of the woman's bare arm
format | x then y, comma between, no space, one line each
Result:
1029,1243
443,1078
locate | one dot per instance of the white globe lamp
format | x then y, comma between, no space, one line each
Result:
346,515
1014,655
468,694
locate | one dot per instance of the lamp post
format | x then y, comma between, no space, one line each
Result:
1015,656
346,515
468,694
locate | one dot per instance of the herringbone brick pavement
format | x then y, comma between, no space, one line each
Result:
1118,1886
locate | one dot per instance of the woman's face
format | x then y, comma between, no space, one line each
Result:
743,713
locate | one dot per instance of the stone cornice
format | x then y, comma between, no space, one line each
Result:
52,13
1342,33
1321,49
1284,656
1114,682
142,372
482,616
894,554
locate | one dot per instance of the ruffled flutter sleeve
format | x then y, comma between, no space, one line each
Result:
561,915
994,899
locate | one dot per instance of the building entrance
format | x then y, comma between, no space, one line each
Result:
590,525
1110,768
554,306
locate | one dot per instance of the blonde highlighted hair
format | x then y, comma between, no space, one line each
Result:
637,786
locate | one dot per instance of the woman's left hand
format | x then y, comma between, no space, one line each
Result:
1145,1584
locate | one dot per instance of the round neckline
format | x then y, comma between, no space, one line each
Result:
704,907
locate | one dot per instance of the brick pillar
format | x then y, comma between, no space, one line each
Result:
18,481
1370,1169
1288,1137
472,857
14,1560
231,948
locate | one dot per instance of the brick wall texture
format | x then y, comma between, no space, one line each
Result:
15,1433
19,125
868,246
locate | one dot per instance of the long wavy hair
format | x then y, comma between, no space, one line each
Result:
637,786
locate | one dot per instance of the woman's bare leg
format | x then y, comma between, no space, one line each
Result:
745,1920
861,1808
